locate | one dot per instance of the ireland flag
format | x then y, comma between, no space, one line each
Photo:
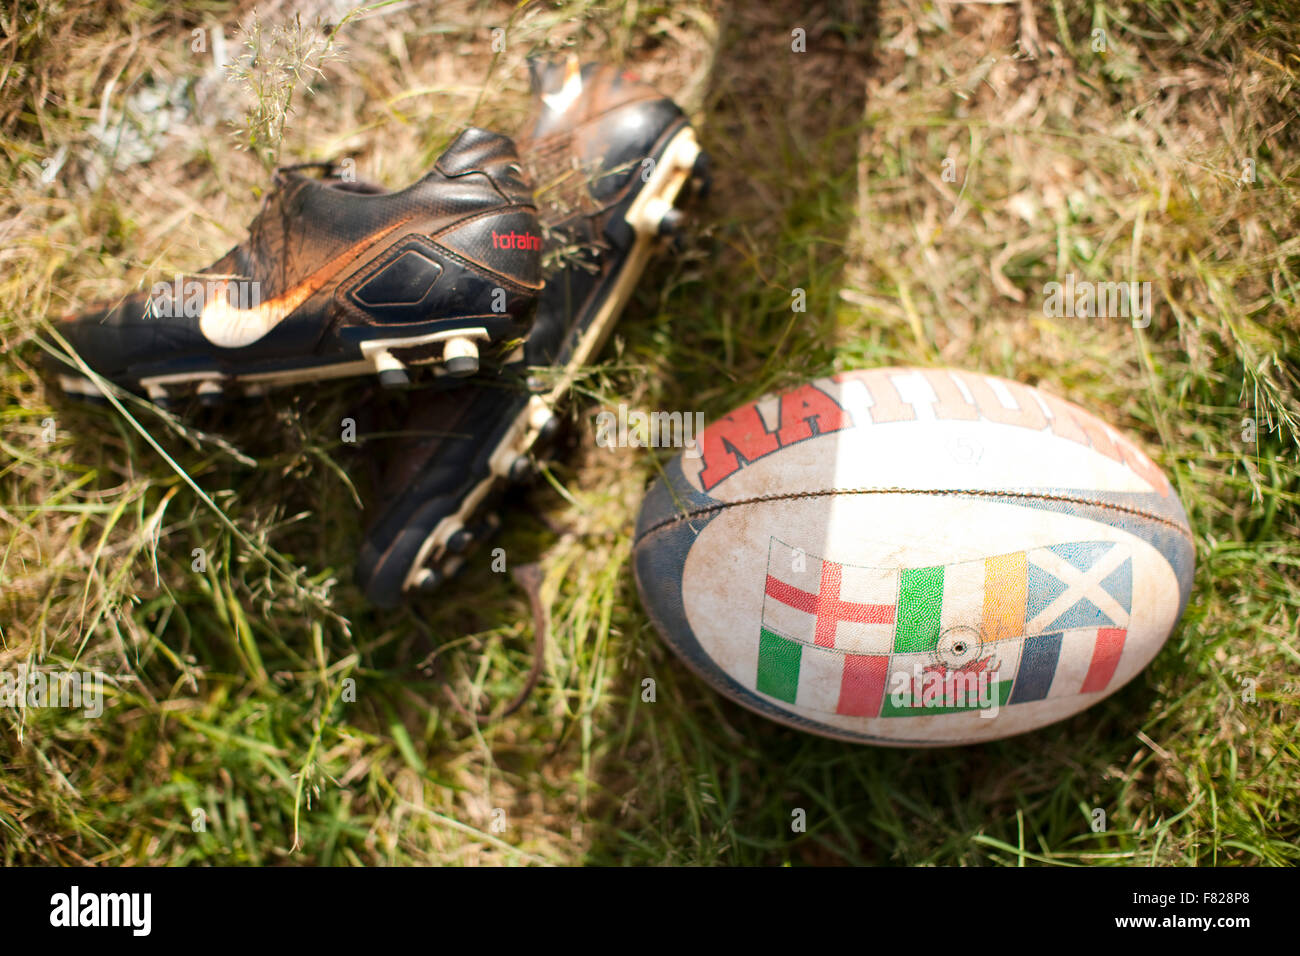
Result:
895,642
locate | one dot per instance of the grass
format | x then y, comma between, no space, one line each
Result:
258,711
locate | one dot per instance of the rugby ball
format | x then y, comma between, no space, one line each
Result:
913,557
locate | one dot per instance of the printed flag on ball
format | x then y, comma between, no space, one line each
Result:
869,642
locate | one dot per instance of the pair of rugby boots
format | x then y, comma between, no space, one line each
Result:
501,261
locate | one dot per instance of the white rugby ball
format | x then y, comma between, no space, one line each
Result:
914,557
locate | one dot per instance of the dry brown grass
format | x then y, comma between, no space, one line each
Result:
829,178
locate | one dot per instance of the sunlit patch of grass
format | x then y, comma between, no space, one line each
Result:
258,711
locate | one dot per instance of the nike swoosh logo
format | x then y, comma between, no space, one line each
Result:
231,327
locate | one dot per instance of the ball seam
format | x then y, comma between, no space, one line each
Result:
788,496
